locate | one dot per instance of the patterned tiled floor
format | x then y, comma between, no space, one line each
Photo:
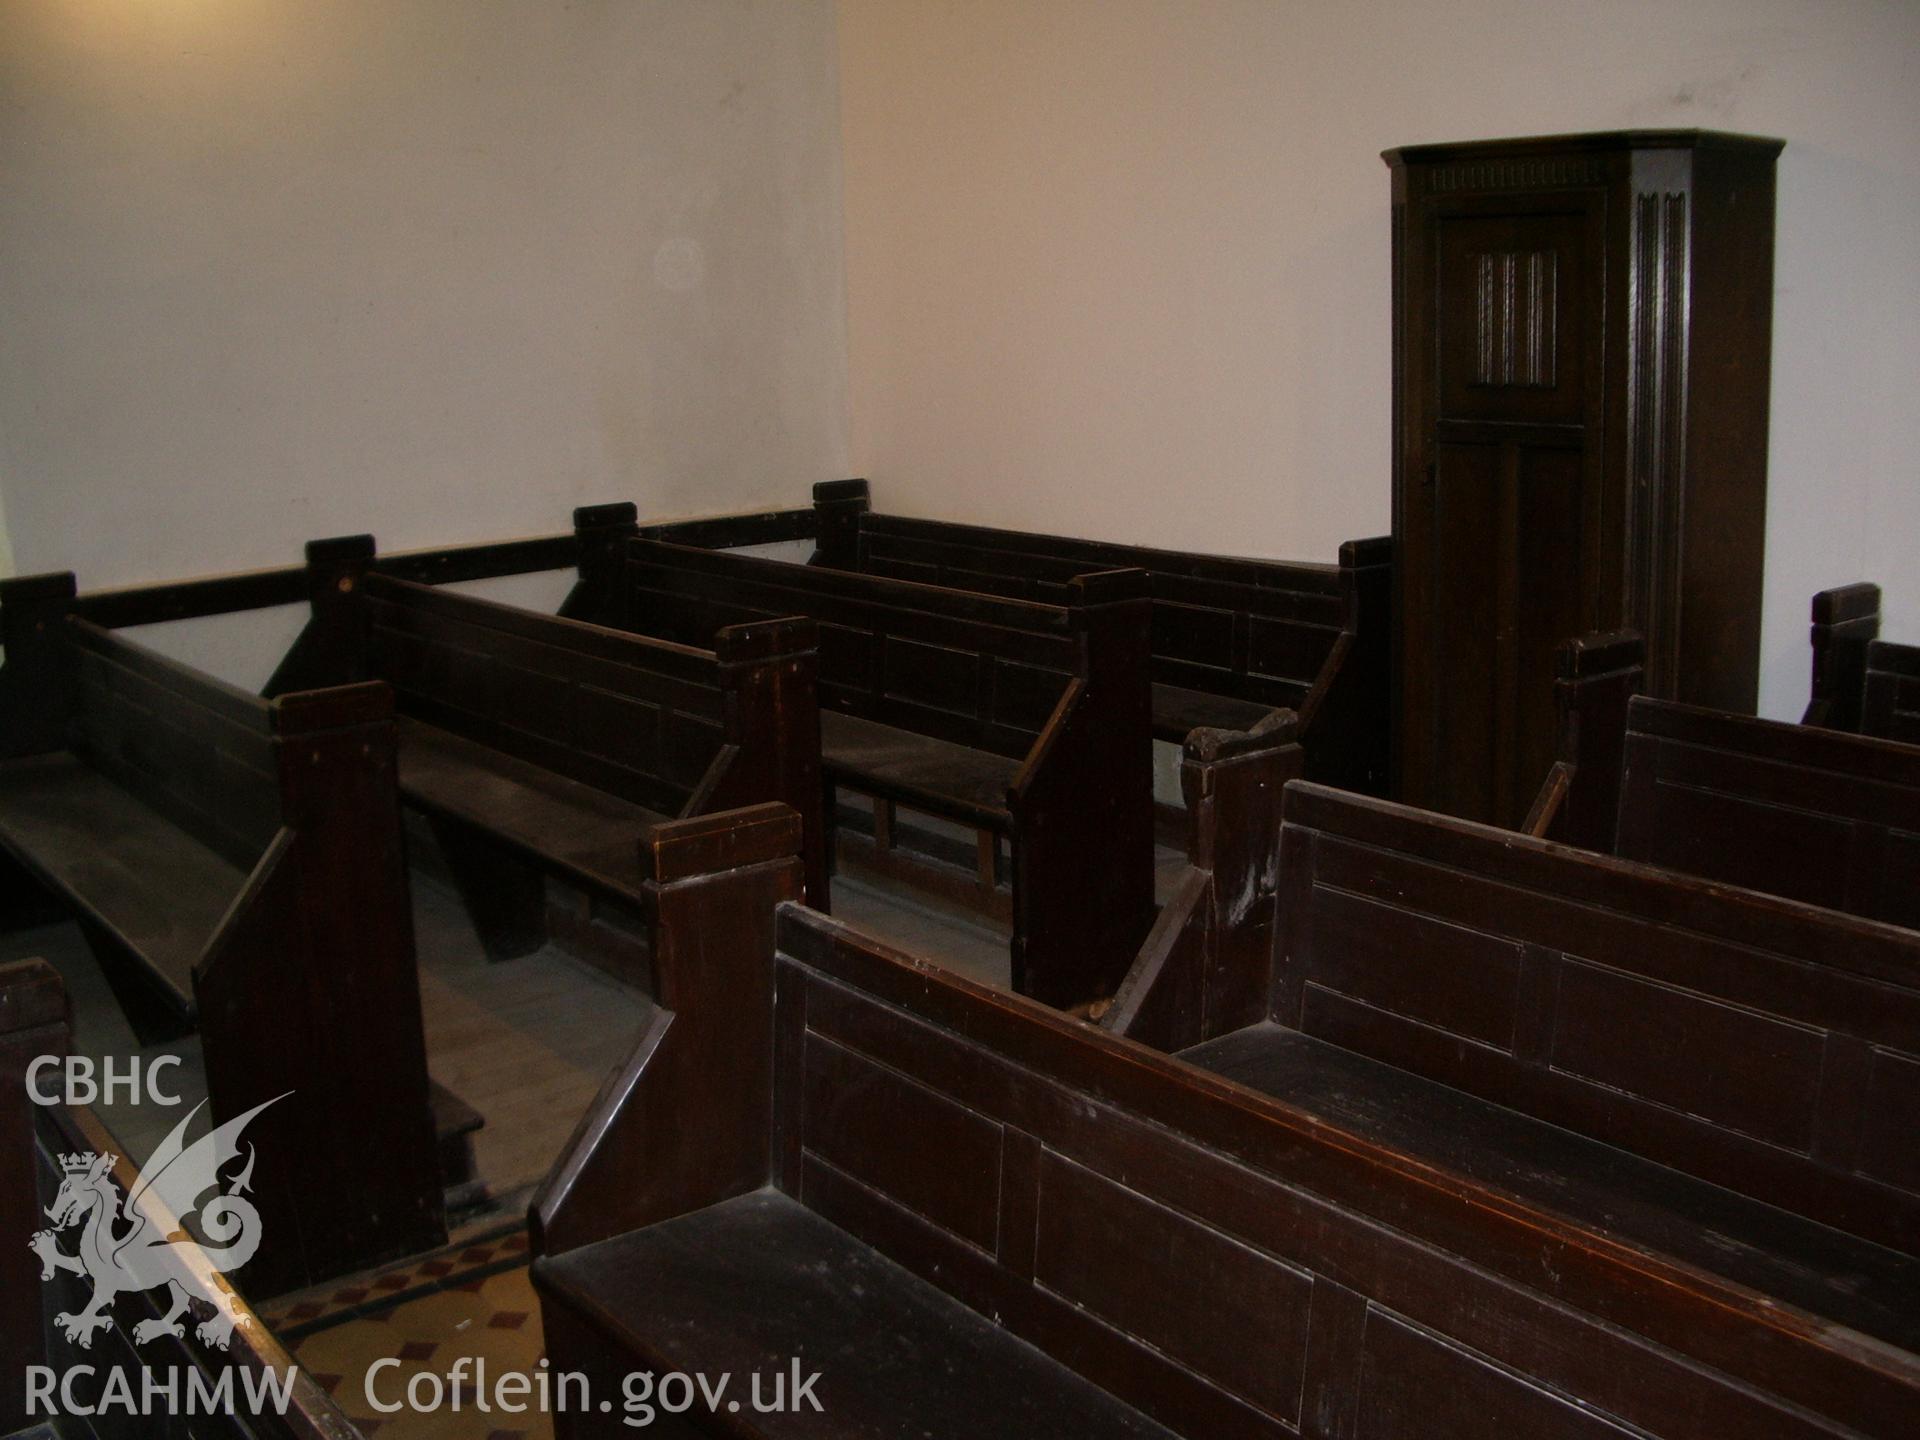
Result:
470,1259
492,1320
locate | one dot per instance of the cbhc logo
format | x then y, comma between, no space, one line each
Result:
130,1079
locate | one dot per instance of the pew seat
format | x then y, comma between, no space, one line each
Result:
236,866
123,866
744,1285
1178,712
583,833
1864,1286
921,771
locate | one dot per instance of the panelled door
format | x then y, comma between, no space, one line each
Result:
1500,495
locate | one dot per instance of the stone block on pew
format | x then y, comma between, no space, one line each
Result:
1452,1173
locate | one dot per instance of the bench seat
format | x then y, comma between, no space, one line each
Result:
587,834
747,1284
937,776
124,866
1822,1270
1178,712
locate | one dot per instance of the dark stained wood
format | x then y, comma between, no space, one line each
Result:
684,1123
1845,621
36,1137
1581,372
1860,682
312,988
1232,638
556,743
920,771
36,682
729,532
1890,706
158,893
601,533
1814,815
1811,1266
237,865
1563,985
33,1022
741,1280
1798,811
117,609
1595,676
1026,719
1206,965
1363,1234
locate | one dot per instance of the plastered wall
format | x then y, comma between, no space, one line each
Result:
435,269
1120,267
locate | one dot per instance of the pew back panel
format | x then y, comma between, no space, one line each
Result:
1824,817
619,719
973,670
1232,1264
1563,986
1890,704
1260,630
637,719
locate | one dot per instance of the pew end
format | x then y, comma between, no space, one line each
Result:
1203,968
1846,620
714,884
1595,676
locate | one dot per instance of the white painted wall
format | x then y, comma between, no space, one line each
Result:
436,269
1120,267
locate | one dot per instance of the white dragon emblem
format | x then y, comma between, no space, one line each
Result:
139,1257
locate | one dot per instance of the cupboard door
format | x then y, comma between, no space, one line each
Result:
1501,496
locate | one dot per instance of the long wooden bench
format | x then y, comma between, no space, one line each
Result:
1451,1177
236,864
1022,720
1232,638
545,746
35,1021
1810,814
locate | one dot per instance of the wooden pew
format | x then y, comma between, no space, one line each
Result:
34,1022
1018,719
1890,704
540,745
1793,810
1232,638
236,864
1215,933
1861,683
1846,621
1451,1172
